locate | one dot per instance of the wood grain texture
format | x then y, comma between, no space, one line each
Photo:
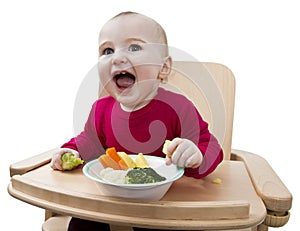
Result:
189,204
267,183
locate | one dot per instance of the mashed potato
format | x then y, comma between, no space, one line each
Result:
114,176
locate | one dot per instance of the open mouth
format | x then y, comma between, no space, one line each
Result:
124,79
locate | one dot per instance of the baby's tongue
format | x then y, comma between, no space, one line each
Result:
125,81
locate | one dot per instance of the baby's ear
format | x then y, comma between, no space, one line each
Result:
165,69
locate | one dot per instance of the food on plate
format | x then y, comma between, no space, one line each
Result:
112,153
112,175
126,160
121,168
131,176
141,161
108,162
69,161
143,176
120,160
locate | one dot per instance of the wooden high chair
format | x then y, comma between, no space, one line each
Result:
243,193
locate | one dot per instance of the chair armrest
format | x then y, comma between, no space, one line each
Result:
267,184
31,163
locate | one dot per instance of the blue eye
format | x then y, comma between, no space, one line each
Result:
134,47
108,51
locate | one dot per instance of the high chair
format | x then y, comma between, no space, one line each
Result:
244,192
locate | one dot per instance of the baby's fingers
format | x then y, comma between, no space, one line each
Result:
168,149
168,160
194,161
181,155
56,162
68,150
173,145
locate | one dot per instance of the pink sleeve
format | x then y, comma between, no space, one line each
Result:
211,150
87,143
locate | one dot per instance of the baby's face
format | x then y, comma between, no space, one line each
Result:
131,56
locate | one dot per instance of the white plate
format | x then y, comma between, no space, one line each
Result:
151,191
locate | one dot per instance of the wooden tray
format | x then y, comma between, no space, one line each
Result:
189,204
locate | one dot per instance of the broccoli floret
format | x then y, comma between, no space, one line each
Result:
143,176
150,172
69,161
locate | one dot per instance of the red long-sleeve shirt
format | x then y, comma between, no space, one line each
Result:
167,116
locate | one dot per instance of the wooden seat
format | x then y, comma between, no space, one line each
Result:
211,87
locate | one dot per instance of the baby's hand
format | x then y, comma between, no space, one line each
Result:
56,162
184,153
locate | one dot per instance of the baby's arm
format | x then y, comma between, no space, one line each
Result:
56,162
184,153
198,150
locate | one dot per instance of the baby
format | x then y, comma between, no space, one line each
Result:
139,115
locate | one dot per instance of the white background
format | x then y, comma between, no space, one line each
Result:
47,48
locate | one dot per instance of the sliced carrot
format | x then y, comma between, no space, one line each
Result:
113,164
112,153
102,161
109,162
122,164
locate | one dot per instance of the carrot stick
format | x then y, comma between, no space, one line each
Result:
109,162
102,161
122,164
112,153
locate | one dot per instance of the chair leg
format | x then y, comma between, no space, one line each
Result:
49,214
56,223
262,227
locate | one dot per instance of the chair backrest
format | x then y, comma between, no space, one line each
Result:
211,87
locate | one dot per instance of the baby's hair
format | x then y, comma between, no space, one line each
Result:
160,30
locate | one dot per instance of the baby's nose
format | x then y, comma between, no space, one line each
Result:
119,58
